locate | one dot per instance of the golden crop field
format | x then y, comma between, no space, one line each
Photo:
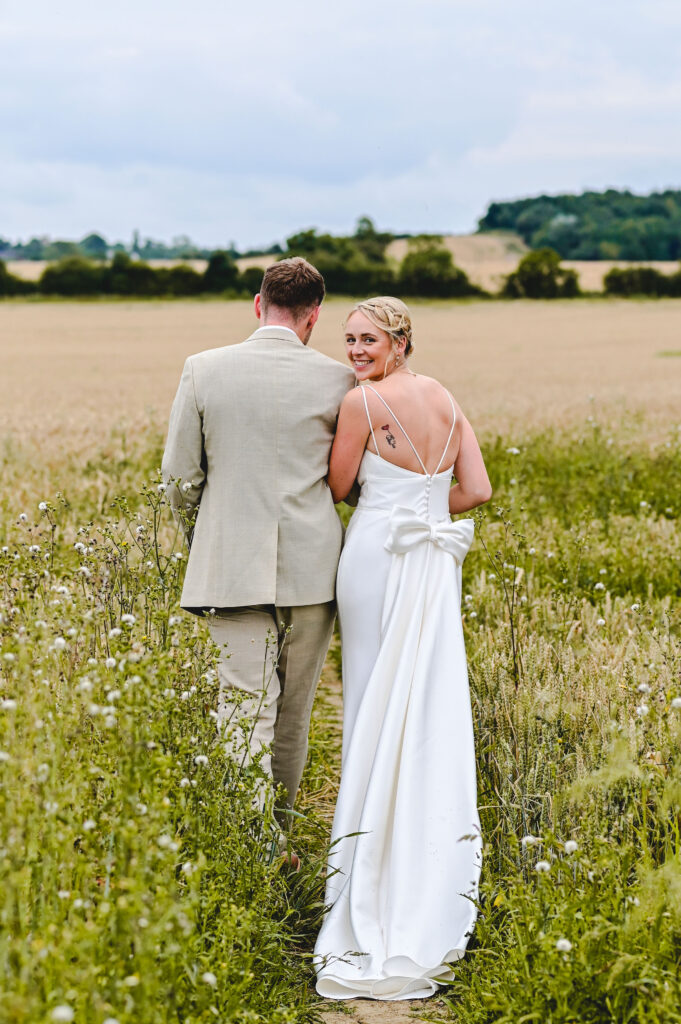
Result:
71,371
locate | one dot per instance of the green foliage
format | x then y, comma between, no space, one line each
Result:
221,274
12,285
140,882
73,276
539,275
641,281
94,247
595,225
428,269
250,279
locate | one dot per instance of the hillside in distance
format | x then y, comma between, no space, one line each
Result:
610,225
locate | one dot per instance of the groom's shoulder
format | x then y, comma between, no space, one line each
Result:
331,366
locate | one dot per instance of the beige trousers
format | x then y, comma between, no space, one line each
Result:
270,663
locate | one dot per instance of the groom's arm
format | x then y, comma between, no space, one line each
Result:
184,460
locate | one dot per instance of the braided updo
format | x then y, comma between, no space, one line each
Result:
389,315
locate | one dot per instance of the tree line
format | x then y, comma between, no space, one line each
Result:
610,225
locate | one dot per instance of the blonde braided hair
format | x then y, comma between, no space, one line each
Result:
390,315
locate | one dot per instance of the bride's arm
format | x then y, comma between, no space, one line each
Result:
348,446
473,487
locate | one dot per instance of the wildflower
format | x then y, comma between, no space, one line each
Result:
643,504
79,546
184,783
599,586
163,841
111,1020
4,756
563,945
131,981
113,695
64,894
513,451
676,702
169,692
174,620
84,571
128,619
116,631
42,506
141,808
34,549
600,622
110,663
602,572
642,710
8,656
635,607
8,704
209,978
63,1014
23,517
89,824
186,486
542,866
187,868
529,841
201,759
161,488
59,643
570,846
643,688
473,615
143,922
178,556
532,551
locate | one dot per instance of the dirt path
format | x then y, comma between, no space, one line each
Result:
365,1011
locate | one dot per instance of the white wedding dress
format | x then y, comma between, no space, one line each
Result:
406,849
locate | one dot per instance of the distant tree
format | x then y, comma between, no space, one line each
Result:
94,247
628,281
179,280
12,285
131,277
72,276
60,249
221,274
428,269
250,279
539,275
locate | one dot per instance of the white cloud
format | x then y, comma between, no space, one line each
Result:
229,121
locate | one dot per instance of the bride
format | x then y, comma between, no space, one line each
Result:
406,847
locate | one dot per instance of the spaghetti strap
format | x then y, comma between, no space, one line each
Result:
371,428
392,413
399,425
451,432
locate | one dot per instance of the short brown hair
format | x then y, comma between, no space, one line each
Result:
292,284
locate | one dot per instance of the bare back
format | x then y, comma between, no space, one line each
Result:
421,411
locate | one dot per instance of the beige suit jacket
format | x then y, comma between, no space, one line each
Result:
245,463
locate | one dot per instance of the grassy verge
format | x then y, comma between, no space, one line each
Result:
138,883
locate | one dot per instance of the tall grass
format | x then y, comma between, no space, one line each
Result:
139,883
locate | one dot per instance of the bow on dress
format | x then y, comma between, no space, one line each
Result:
408,529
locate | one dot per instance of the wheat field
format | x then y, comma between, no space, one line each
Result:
71,371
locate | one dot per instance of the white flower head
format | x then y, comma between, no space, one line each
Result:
676,702
23,517
209,978
571,846
128,619
563,945
110,663
59,643
642,710
599,586
643,688
42,506
201,759
600,622
635,607
62,1014
513,451
530,841
542,866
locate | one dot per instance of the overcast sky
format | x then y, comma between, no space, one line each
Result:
247,121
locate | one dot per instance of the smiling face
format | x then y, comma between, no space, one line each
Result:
370,350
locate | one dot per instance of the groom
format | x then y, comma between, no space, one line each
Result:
245,463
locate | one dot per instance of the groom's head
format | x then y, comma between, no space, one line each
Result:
290,295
